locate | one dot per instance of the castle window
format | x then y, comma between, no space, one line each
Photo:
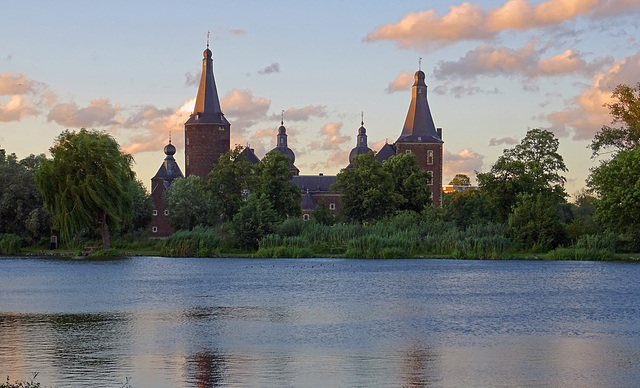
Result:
187,141
332,206
155,212
187,160
220,128
166,212
305,217
430,180
407,151
430,157
154,229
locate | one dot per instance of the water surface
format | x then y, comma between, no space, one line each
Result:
167,322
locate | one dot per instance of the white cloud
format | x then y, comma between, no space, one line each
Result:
99,113
402,82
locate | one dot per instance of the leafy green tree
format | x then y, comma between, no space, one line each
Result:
231,179
461,180
87,184
191,204
255,220
626,112
322,215
531,167
274,184
467,207
617,186
21,206
410,182
535,223
142,208
367,190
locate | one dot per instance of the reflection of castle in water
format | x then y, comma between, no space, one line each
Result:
207,137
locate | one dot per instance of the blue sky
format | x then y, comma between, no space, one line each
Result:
494,69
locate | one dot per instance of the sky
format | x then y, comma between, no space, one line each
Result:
494,69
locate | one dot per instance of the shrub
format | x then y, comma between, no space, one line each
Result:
10,244
199,242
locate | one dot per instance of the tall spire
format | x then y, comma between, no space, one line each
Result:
207,108
419,126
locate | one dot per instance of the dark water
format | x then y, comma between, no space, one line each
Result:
319,323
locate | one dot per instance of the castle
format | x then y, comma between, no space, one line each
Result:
207,137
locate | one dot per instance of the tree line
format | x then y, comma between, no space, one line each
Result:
87,191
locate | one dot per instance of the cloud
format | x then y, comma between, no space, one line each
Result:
427,29
302,114
332,137
237,32
459,91
16,83
145,116
272,68
585,115
488,61
98,113
192,78
243,109
402,82
501,141
464,162
15,109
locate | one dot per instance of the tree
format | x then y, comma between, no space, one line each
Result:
231,179
142,208
87,185
461,180
531,167
617,186
256,219
274,184
535,223
21,208
467,207
410,182
367,190
191,204
626,112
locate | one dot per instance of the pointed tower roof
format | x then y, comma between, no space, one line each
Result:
361,144
418,126
169,170
207,108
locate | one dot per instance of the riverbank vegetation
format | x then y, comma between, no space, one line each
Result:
520,208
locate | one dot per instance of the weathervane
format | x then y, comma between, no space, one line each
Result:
169,137
419,63
282,118
362,118
208,39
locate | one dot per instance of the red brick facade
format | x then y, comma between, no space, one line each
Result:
429,156
204,144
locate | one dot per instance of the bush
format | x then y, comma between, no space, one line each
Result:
199,242
576,253
10,244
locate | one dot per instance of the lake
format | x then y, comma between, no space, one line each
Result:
167,322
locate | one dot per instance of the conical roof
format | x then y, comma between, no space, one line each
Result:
418,126
207,108
169,169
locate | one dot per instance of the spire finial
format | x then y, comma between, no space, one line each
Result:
419,63
169,137
208,32
362,118
282,118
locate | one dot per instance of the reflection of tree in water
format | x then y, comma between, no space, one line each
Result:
420,367
206,369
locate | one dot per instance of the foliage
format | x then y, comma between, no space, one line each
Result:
321,214
142,207
367,190
535,224
617,186
191,204
410,182
583,221
256,219
87,185
467,207
21,208
461,180
199,242
10,244
231,179
274,185
531,167
626,112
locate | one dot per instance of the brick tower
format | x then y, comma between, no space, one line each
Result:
207,132
420,136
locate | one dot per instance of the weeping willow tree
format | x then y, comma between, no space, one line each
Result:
87,185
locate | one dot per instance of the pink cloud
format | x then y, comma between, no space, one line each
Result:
426,29
586,114
16,83
99,113
303,114
464,162
15,109
402,82
243,109
333,138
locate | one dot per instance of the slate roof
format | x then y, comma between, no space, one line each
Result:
419,126
314,183
207,108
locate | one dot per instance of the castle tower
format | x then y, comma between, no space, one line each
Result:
160,183
207,132
361,144
420,136
284,149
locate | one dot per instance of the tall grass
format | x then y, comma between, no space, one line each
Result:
10,244
199,242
